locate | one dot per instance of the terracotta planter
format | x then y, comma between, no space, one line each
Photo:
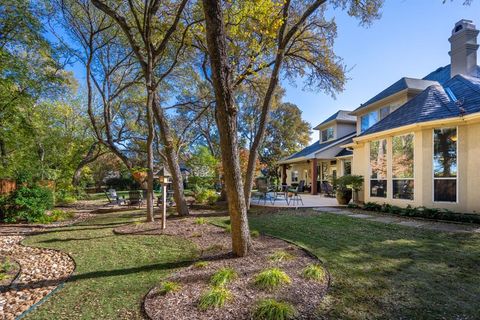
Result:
140,176
344,197
7,186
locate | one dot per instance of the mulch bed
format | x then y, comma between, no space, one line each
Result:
214,244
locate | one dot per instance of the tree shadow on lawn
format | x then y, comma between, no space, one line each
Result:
387,271
103,273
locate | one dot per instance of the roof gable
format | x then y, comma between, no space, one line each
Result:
317,146
435,103
341,115
400,85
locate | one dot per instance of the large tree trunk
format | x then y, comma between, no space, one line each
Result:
151,128
172,160
226,117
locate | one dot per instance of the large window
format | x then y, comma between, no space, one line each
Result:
445,164
369,120
327,134
378,168
402,167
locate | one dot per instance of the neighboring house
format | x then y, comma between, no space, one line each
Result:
418,141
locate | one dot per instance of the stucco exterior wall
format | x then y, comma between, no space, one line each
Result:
468,179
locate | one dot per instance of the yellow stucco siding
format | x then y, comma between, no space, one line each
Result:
468,161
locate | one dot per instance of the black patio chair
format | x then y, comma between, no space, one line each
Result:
327,189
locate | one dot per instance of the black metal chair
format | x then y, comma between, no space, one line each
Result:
281,193
295,197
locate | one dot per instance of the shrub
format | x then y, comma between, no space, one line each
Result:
214,298
27,204
395,210
228,228
279,256
423,212
206,196
270,309
314,272
65,197
200,264
372,206
55,215
169,286
201,182
223,276
271,278
201,221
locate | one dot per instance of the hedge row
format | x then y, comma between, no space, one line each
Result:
421,212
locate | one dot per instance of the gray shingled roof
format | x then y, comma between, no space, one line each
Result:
317,146
442,74
434,103
341,115
402,84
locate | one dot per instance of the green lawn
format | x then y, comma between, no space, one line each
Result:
384,271
113,272
379,271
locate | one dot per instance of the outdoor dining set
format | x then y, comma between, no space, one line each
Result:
273,193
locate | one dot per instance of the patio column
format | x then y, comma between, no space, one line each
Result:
284,174
314,176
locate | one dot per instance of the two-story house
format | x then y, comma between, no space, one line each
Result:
418,141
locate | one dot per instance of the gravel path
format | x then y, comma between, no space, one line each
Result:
41,271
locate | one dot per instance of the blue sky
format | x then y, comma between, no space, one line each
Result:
410,39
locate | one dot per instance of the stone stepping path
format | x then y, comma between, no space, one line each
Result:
413,223
42,270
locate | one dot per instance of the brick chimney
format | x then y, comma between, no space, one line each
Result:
463,50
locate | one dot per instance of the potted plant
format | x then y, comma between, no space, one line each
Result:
139,174
345,186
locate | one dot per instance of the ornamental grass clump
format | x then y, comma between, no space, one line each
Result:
216,297
314,272
270,309
169,286
271,279
201,221
200,264
280,256
223,276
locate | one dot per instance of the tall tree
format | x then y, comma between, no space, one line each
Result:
226,118
156,36
286,133
302,34
304,46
